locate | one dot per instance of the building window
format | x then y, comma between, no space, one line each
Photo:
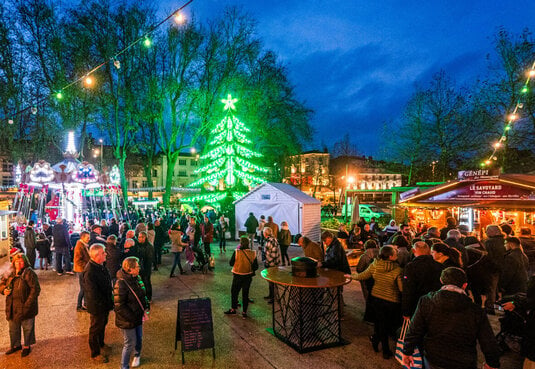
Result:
181,161
144,184
155,172
182,173
192,162
134,184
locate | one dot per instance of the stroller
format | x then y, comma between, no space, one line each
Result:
201,261
512,326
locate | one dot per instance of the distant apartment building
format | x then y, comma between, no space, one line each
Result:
7,174
309,172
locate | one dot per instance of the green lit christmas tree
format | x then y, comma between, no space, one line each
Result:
228,167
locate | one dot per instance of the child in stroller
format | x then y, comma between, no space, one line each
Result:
202,262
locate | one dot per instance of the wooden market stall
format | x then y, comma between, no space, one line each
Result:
476,199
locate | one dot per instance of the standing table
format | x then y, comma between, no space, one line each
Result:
307,311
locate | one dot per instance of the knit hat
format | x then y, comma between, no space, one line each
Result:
14,251
95,226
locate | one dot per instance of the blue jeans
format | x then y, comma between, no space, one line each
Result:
132,341
176,261
63,257
28,327
81,293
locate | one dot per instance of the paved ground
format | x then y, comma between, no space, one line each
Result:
62,332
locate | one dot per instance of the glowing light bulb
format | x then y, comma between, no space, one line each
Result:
59,95
487,162
497,144
117,64
524,89
10,121
507,128
512,117
147,42
532,72
180,18
89,81
482,164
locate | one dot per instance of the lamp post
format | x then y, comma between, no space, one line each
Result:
101,152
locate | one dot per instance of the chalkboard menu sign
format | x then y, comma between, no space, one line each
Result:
194,325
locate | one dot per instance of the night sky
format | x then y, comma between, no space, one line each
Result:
356,62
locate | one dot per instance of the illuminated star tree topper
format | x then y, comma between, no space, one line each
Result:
228,159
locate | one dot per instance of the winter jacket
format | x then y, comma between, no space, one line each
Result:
114,258
448,325
274,227
97,289
243,262
114,229
62,241
479,269
81,256
128,310
273,256
21,303
496,250
314,251
514,276
160,237
207,230
29,238
94,238
176,240
251,224
285,237
147,252
335,257
420,276
387,279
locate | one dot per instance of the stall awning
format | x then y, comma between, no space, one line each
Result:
506,191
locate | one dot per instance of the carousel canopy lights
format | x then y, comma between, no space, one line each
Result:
71,147
41,173
85,174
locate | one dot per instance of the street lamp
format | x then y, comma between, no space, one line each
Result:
101,141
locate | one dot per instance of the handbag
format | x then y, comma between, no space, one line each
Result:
252,268
416,355
145,311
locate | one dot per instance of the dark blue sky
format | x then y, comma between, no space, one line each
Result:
355,62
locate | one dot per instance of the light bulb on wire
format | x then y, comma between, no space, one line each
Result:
88,80
532,72
117,63
147,42
59,95
179,18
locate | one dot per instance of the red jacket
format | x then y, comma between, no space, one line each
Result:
207,230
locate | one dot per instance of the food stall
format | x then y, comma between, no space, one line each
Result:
477,198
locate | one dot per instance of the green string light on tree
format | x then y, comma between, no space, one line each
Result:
228,158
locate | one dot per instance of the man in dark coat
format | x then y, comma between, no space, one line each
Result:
207,231
528,244
514,277
495,247
421,276
114,256
114,227
335,256
96,235
251,224
62,245
451,223
147,251
98,299
160,236
30,243
447,326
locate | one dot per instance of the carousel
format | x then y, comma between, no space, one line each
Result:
70,189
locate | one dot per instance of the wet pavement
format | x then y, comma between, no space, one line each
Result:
62,332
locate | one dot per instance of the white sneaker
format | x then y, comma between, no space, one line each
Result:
136,361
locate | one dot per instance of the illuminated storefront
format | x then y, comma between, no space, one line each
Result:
476,199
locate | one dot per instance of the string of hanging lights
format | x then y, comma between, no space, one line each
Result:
87,78
511,117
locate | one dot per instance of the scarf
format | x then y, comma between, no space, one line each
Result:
453,288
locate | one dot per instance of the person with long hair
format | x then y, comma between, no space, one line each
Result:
177,245
386,292
21,288
244,264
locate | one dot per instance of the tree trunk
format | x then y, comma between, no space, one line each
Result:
171,161
124,182
148,174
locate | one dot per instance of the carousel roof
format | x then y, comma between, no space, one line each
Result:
70,164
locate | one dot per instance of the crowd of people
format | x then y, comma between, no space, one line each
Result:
440,284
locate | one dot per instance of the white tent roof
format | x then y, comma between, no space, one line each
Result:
289,190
